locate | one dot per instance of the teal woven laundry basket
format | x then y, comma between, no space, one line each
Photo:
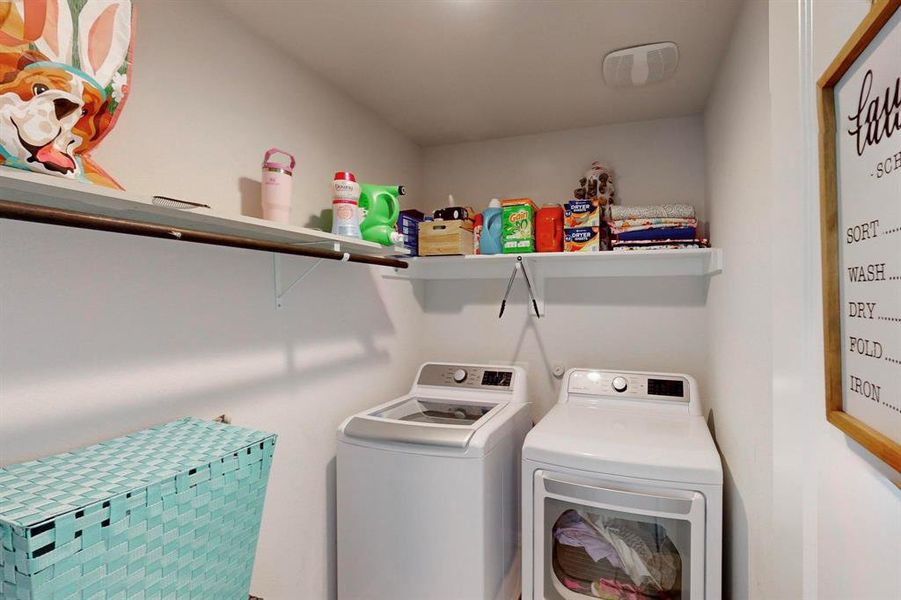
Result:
172,512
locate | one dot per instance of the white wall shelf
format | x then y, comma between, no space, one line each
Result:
651,263
199,225
689,262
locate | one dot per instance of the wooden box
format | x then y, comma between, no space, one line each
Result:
445,238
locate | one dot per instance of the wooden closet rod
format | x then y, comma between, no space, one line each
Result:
56,216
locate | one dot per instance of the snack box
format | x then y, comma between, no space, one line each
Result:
582,239
408,225
409,231
518,225
408,221
582,213
411,243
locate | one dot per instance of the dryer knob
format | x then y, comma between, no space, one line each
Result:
460,375
620,384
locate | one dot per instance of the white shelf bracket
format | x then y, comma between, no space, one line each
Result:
280,292
538,279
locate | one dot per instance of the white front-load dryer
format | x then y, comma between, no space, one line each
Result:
429,489
622,492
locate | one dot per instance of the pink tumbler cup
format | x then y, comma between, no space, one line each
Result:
276,193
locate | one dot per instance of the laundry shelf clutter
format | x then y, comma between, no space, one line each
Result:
39,198
590,235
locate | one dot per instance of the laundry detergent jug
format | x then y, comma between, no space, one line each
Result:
549,228
490,239
379,209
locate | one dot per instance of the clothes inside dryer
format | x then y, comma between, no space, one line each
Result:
442,412
600,553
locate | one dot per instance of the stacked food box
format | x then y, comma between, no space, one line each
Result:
408,225
582,226
583,215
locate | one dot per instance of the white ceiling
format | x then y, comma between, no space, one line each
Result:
446,71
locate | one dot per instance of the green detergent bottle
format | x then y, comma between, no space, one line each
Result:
379,208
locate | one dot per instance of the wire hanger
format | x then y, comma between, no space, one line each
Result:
519,265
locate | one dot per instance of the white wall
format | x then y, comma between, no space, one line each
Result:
209,98
653,162
740,326
105,334
617,323
627,323
830,527
858,519
793,253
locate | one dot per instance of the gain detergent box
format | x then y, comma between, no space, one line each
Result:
518,225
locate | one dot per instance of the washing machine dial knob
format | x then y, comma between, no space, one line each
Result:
460,375
620,384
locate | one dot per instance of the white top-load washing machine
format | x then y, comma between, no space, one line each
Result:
622,492
428,489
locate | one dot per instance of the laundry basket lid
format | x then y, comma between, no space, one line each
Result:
39,490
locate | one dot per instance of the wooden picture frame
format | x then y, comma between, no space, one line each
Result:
881,445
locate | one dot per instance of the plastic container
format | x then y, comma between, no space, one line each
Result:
477,222
379,209
549,228
492,227
276,186
345,205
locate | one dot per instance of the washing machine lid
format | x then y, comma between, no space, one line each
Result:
423,421
645,444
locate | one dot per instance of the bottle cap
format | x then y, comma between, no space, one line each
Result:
345,175
495,203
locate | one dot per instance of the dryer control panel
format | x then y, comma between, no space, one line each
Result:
467,377
629,385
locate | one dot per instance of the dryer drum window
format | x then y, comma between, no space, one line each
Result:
601,553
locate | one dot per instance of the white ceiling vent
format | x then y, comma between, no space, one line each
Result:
641,65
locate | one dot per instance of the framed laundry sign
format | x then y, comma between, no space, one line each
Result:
860,202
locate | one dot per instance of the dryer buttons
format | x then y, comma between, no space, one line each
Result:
619,384
460,375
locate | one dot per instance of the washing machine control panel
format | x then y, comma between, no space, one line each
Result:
466,376
629,385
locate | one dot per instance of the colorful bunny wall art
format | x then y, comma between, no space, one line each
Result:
65,70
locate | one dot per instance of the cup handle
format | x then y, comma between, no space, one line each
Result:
272,151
